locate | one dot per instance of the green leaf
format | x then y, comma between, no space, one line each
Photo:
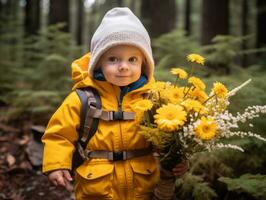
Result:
193,187
254,185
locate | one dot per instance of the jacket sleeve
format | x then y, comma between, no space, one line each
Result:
61,134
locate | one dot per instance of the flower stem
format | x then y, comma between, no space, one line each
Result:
192,70
160,102
208,99
175,81
147,118
187,91
167,154
189,75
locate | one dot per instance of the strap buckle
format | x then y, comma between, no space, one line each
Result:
117,155
118,115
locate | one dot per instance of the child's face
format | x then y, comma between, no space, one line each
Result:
121,65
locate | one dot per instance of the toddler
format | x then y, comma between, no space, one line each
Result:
120,163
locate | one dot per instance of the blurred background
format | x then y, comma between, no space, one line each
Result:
40,38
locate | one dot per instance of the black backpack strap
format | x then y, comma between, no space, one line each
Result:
99,106
89,98
84,108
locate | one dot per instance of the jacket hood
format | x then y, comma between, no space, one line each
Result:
81,77
80,74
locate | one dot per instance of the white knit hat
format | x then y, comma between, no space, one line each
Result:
120,26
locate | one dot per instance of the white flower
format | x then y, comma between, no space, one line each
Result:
235,90
231,146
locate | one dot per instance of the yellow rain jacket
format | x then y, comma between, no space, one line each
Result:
99,178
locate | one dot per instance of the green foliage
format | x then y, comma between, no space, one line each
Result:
193,187
252,94
47,59
223,50
170,48
32,105
254,185
42,78
210,163
252,160
201,181
10,53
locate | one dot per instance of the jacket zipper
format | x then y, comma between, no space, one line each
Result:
119,109
120,98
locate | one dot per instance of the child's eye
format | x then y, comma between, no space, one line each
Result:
133,59
113,59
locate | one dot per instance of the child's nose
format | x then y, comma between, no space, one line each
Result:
123,66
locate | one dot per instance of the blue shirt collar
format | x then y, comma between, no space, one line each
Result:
98,75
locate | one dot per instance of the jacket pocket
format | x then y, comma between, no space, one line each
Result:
146,175
94,180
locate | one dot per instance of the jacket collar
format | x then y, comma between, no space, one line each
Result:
98,75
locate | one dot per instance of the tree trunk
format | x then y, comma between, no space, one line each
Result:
158,16
215,19
10,9
32,16
119,3
91,24
1,8
11,18
187,17
132,6
261,23
80,21
244,27
59,12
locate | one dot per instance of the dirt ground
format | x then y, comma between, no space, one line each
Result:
20,168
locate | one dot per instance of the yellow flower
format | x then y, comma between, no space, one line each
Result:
219,90
197,82
174,94
151,134
196,58
185,89
158,86
194,105
170,117
180,72
199,95
206,129
142,105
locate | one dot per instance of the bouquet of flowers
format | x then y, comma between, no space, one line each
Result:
182,119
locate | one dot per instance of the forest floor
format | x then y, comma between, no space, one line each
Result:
20,167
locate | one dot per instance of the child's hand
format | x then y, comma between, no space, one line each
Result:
62,178
181,168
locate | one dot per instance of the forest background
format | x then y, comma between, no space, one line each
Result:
40,38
